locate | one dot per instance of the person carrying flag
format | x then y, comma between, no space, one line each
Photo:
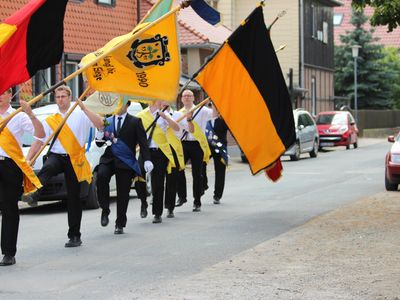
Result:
15,171
122,135
195,148
173,137
216,133
160,151
68,155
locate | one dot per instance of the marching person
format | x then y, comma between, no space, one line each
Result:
160,152
216,133
195,148
68,155
14,171
122,135
173,137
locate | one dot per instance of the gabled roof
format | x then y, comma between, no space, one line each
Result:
385,38
194,30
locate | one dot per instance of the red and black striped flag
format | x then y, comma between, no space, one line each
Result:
245,82
30,40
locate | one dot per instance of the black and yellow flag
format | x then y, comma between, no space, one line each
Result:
245,82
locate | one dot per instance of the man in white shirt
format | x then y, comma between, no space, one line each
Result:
68,155
160,152
11,175
193,151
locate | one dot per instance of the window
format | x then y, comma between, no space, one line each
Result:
42,81
337,19
71,67
313,21
325,32
105,2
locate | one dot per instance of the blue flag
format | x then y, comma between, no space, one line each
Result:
205,11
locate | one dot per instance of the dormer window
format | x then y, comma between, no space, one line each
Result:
105,2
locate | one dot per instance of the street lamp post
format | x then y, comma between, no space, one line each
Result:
355,49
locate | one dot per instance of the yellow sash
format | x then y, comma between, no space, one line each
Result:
177,145
158,137
10,145
200,136
75,151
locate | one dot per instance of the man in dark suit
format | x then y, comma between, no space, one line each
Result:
122,134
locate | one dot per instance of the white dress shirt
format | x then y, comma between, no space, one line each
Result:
160,122
201,119
18,125
123,116
79,124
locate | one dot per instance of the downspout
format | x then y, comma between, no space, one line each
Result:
301,75
137,11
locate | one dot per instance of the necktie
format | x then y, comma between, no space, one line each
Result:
119,124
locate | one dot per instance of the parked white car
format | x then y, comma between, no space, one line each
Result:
307,137
55,189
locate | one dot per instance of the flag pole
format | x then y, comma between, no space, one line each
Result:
202,103
183,5
280,15
59,127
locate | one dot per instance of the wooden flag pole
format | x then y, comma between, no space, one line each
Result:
32,162
183,5
280,48
202,103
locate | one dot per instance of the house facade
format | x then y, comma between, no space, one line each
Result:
306,29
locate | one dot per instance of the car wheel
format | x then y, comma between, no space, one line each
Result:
355,145
389,185
296,155
91,200
314,151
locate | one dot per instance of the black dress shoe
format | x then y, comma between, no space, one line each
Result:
118,230
143,211
7,260
73,242
216,200
104,218
196,208
157,219
180,202
170,214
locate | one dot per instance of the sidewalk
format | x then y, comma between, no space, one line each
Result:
350,253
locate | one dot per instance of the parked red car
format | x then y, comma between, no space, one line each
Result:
337,128
392,164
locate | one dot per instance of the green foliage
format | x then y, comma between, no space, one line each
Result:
391,64
373,82
386,12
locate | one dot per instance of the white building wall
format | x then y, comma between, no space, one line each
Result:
285,31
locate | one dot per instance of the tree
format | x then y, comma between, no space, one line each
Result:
391,64
373,83
386,12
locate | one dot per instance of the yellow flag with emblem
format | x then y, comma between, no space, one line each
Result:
147,69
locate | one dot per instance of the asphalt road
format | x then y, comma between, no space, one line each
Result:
149,256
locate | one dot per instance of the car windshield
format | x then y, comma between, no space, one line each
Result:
333,119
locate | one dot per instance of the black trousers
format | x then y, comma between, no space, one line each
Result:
220,170
10,192
160,162
54,165
192,151
171,184
123,178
